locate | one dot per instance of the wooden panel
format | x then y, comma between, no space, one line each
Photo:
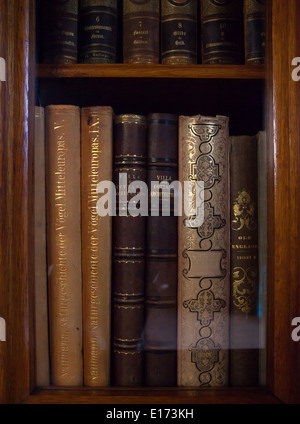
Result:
151,71
284,185
14,206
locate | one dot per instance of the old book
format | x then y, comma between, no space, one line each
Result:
98,26
244,331
204,253
41,295
129,244
221,31
64,244
161,259
60,31
179,32
96,167
255,31
141,35
262,253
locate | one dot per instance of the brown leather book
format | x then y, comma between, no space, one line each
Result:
96,166
179,32
161,261
204,253
129,244
60,31
40,261
98,26
255,31
221,34
141,35
244,330
64,244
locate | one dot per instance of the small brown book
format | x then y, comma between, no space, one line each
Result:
129,244
64,244
96,167
179,32
161,263
60,31
244,328
204,253
141,36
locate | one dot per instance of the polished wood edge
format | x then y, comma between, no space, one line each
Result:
153,396
151,71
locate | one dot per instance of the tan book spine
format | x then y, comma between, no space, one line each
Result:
96,159
41,296
203,281
64,244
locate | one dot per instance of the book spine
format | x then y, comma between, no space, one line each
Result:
161,260
41,295
179,32
244,262
98,25
64,244
255,31
141,34
96,160
60,31
221,24
204,253
129,253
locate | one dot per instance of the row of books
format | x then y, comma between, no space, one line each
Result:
147,296
153,31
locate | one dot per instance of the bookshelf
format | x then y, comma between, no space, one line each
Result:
268,95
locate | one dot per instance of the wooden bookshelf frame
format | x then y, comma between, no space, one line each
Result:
17,378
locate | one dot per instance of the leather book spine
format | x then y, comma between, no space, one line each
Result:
221,24
141,34
96,230
255,31
60,31
161,258
204,253
129,244
64,244
41,296
244,335
179,32
98,26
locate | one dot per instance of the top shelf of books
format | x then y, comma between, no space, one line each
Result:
151,71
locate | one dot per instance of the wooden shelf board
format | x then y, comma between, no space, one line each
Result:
151,71
153,396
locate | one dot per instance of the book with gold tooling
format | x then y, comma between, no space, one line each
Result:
129,245
255,31
64,244
96,166
179,31
221,35
141,35
98,26
60,31
204,253
244,330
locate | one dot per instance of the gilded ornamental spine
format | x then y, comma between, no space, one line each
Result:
178,32
221,23
64,244
60,31
98,27
141,35
96,160
244,336
204,254
255,31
